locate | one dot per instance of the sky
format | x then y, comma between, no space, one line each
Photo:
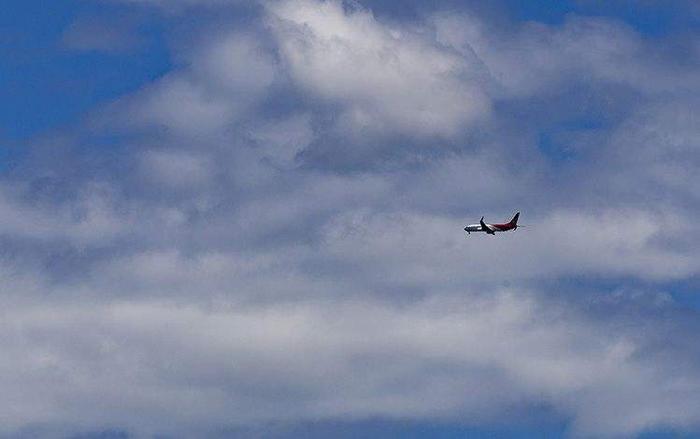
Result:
233,219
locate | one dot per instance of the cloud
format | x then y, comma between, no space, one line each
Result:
174,369
536,58
90,220
658,147
383,246
182,106
282,140
383,78
178,171
274,233
225,78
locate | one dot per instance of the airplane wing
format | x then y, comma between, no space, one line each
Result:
485,227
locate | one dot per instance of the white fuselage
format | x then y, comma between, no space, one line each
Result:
473,228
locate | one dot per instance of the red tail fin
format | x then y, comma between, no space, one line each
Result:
514,221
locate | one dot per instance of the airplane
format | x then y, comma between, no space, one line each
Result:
491,229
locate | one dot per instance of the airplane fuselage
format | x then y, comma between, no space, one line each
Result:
494,228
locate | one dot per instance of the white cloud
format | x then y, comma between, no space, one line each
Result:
223,278
160,367
177,170
427,252
224,78
91,220
536,58
655,152
235,63
385,79
182,106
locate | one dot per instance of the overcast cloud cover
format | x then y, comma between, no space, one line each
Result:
269,233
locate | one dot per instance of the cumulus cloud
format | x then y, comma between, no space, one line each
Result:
384,78
169,368
215,272
281,140
658,146
182,106
537,58
228,75
176,171
583,244
90,220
